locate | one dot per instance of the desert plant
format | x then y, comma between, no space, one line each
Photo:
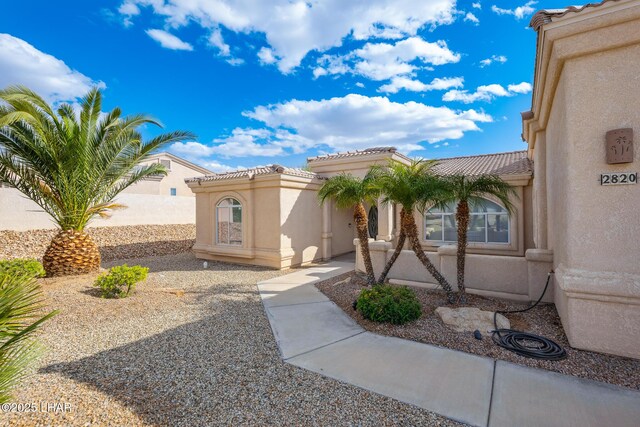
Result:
389,304
21,307
464,190
73,165
409,185
121,280
21,266
349,191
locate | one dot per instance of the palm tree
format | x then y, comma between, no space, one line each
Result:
73,165
411,186
465,190
20,310
349,191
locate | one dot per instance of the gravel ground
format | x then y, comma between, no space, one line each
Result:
114,242
207,357
542,320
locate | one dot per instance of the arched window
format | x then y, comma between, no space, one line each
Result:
229,222
488,223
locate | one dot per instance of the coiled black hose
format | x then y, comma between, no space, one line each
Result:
524,343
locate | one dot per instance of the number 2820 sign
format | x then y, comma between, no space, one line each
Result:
621,178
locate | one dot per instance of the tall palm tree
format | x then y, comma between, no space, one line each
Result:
73,165
465,190
410,186
349,191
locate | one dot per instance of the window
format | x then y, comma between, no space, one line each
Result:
166,164
174,192
488,223
229,222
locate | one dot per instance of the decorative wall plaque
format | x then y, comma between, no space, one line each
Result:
619,146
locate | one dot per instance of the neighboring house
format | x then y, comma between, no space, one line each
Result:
173,183
160,200
567,218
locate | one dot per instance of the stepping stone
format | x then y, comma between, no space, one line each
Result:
469,319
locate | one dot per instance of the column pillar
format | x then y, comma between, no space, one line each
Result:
385,221
327,208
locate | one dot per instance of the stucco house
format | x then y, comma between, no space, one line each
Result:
172,184
577,210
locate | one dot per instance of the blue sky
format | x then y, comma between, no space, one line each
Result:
276,81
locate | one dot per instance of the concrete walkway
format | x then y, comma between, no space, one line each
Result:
314,333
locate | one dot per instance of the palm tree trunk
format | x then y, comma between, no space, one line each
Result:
396,253
360,218
462,218
409,224
71,252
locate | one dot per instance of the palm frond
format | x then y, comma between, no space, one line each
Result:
21,304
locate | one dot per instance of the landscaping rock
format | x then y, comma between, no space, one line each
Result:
468,319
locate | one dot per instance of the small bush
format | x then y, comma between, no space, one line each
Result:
121,280
21,267
389,304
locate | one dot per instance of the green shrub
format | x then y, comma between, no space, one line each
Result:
21,267
121,280
389,304
21,309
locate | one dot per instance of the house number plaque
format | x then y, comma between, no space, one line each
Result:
621,178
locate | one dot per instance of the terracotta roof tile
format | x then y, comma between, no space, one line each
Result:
250,173
356,153
545,16
512,163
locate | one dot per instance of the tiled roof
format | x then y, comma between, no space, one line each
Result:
512,163
545,16
356,153
250,173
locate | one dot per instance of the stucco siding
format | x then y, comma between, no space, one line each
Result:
604,215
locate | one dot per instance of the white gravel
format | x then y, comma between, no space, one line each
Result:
205,358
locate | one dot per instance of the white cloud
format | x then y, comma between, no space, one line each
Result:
216,40
338,124
168,40
221,168
360,84
409,84
128,10
523,87
486,93
294,28
266,56
384,61
23,64
476,5
494,58
470,17
235,61
519,12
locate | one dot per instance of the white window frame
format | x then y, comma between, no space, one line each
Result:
486,225
234,205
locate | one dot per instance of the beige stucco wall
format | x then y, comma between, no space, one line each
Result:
281,220
21,214
586,85
511,277
301,225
